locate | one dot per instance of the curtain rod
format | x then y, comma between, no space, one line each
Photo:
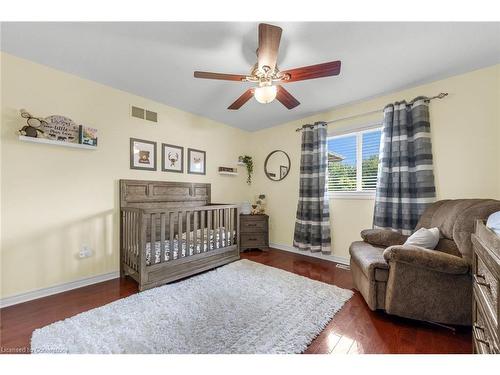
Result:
439,96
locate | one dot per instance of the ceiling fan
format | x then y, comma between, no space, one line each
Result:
268,77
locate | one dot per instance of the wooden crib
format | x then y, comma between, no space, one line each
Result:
170,230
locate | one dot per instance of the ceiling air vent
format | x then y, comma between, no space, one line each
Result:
144,114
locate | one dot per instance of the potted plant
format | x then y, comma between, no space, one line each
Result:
248,162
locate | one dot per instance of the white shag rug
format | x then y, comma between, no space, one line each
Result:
243,307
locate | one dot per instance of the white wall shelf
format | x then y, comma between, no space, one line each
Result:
229,173
55,143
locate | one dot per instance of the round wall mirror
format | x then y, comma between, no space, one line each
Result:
277,165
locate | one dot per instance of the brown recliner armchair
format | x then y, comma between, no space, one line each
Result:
418,283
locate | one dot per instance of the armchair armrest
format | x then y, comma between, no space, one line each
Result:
425,258
383,237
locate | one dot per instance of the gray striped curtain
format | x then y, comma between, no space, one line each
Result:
312,225
405,184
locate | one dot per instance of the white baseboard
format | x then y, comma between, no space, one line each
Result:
331,258
44,292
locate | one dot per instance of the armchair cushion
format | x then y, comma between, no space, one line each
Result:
425,258
383,237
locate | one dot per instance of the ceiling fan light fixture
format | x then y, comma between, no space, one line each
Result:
265,94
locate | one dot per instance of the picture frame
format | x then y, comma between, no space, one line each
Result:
283,171
197,161
142,154
172,158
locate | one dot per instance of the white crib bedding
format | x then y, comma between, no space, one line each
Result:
206,246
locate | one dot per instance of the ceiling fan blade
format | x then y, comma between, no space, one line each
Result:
247,95
225,77
328,69
269,44
287,99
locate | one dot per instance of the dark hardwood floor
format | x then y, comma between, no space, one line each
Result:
354,329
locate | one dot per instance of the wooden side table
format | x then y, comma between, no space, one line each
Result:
254,232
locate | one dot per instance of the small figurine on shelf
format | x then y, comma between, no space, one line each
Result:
33,127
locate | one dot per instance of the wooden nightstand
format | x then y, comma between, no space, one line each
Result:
254,232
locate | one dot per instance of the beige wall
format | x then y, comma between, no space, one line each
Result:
466,143
55,199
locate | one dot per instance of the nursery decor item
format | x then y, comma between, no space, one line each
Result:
283,171
142,154
246,208
61,128
57,130
34,127
172,158
277,165
88,136
248,162
229,171
197,161
260,202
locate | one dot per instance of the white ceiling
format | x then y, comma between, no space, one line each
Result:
157,60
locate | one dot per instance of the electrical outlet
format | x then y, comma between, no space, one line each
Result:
85,252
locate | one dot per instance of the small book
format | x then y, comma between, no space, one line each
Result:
88,136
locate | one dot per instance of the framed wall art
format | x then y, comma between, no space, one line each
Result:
283,171
197,161
172,158
142,154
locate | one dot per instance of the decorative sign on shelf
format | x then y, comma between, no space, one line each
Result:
58,128
228,169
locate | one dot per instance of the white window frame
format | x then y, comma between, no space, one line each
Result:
358,131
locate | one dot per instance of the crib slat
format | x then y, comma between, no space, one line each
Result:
219,214
216,229
209,229
195,232
226,227
135,240
188,233
202,237
171,232
124,237
129,240
231,226
152,259
179,236
163,255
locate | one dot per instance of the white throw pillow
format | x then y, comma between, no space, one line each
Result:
424,237
494,222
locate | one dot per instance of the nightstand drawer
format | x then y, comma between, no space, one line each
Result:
486,282
482,335
250,240
250,226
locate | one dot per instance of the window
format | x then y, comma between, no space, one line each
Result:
353,162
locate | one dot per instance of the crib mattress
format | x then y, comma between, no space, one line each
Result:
182,250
